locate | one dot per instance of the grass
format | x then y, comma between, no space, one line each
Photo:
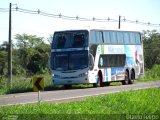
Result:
141,102
151,75
22,84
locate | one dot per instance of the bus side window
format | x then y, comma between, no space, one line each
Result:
126,38
120,60
92,37
132,38
120,37
91,61
112,60
99,37
113,37
138,38
106,37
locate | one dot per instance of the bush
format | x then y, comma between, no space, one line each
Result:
3,82
154,72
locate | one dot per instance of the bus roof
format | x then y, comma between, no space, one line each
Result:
71,30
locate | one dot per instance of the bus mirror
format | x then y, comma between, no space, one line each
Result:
91,61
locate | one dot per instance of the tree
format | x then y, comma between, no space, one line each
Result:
39,60
25,41
3,57
25,45
151,42
32,53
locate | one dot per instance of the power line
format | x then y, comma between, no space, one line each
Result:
4,10
83,19
142,23
39,12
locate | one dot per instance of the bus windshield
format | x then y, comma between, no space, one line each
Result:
72,60
70,39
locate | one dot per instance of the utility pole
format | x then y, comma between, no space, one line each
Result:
10,50
119,23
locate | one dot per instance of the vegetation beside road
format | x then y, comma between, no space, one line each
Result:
144,102
151,75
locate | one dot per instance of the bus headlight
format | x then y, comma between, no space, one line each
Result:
83,74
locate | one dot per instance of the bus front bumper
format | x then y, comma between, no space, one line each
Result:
70,80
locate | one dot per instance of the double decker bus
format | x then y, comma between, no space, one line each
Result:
96,56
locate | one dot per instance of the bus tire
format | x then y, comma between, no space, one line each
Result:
131,81
95,85
99,82
126,80
67,86
106,83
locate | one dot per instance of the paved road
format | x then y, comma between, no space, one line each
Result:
70,95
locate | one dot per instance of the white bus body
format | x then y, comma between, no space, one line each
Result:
96,56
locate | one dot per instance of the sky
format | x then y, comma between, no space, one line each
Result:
34,24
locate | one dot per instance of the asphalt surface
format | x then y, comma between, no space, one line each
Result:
70,94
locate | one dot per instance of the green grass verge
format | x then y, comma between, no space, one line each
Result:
141,102
128,102
22,84
151,75
147,79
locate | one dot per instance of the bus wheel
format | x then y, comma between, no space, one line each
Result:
106,83
99,82
125,82
95,85
67,86
131,81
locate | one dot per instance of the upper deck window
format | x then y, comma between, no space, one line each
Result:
126,38
138,38
113,37
78,41
61,41
106,37
70,39
96,37
120,38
